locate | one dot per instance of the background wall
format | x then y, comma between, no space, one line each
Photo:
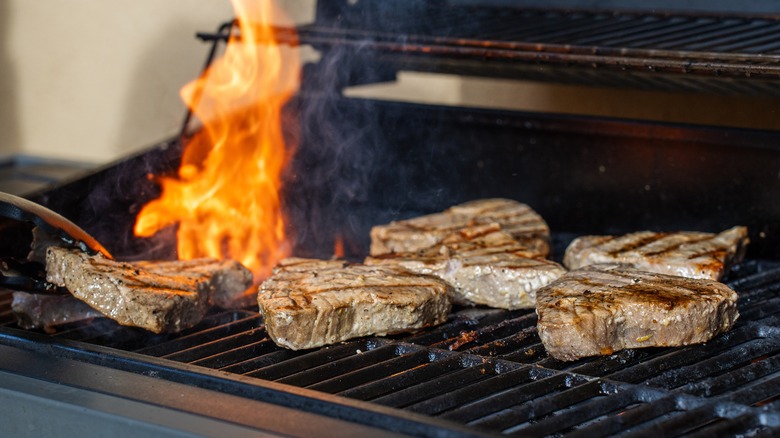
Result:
95,80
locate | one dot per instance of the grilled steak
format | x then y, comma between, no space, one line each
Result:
48,311
688,254
229,282
491,269
129,294
309,303
226,282
601,309
512,217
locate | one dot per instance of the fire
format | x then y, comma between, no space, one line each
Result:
225,198
338,248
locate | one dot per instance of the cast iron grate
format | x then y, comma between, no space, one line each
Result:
487,369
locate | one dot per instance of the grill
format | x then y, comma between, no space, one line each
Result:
484,371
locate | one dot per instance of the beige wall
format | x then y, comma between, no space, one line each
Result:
93,80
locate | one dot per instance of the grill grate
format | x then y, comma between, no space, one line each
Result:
486,369
683,52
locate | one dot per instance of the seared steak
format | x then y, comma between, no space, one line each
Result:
491,269
309,303
512,217
688,254
229,282
48,311
601,309
127,293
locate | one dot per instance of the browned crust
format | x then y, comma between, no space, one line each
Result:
310,303
685,253
600,309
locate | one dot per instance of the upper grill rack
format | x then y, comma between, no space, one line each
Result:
487,369
704,53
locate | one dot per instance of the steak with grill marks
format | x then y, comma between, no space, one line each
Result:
229,282
225,281
688,254
600,309
129,294
484,266
516,219
310,303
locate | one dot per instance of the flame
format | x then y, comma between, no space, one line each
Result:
338,248
225,198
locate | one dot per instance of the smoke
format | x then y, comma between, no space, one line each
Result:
348,172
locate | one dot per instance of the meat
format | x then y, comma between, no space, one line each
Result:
225,282
600,309
229,282
310,303
688,254
491,269
130,294
512,217
47,311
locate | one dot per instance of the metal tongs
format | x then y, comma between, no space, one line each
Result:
26,276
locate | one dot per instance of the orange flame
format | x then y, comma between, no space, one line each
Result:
226,196
338,248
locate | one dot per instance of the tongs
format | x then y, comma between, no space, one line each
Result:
20,276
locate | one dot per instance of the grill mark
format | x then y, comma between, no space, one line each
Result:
637,243
309,291
678,245
665,284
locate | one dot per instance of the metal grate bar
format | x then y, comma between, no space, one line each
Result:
523,338
585,26
679,357
311,375
712,40
201,337
500,28
718,29
707,30
749,42
631,416
301,360
743,425
500,400
465,320
734,380
222,344
582,413
225,359
432,387
373,373
678,423
478,390
410,378
518,414
728,361
761,391
637,38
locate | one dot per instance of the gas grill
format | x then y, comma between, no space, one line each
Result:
362,162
